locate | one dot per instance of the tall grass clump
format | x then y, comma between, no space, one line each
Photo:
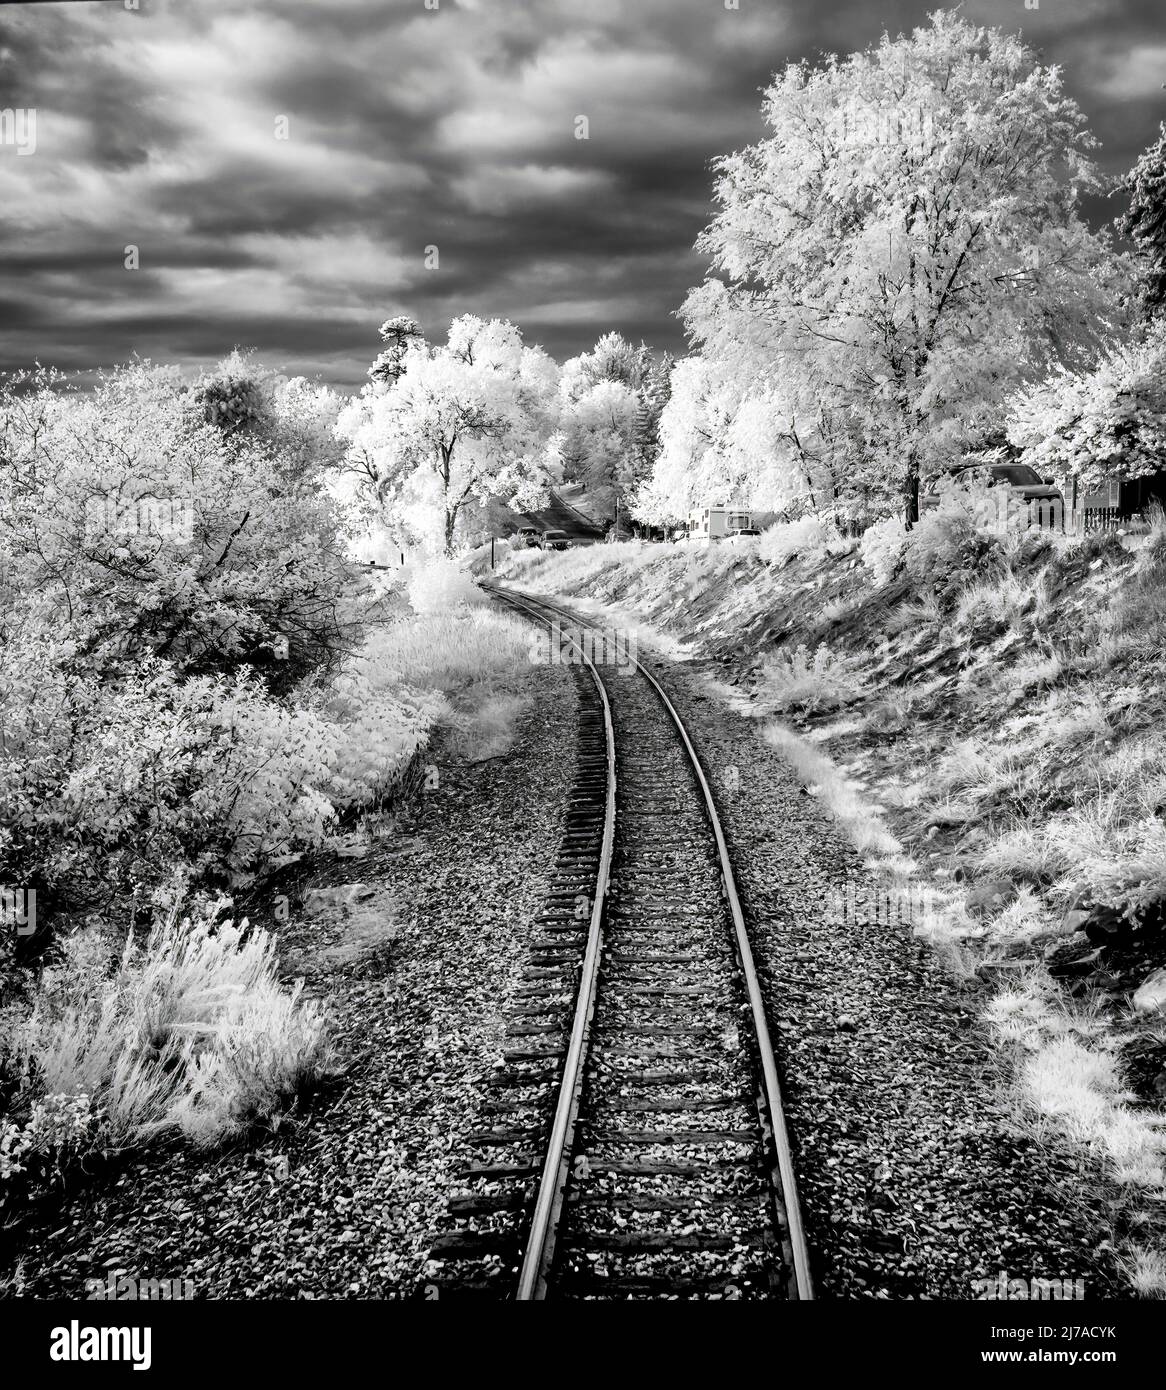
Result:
449,652
189,1034
440,586
1073,1085
881,549
473,667
801,681
785,540
839,795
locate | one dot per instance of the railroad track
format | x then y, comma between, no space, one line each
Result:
632,1143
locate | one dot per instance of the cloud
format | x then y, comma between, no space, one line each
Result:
409,126
1136,72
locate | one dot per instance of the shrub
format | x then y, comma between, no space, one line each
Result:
120,781
441,585
799,681
374,731
882,548
59,1127
947,538
783,541
192,1034
132,528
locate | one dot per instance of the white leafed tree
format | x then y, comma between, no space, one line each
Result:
1145,221
724,439
905,248
1107,423
611,401
599,437
456,424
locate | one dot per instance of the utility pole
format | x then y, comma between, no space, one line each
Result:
491,552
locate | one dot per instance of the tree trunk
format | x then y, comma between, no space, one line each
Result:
911,494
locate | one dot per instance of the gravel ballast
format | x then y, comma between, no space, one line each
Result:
915,1178
342,1201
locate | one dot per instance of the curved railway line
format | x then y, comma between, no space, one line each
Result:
633,1142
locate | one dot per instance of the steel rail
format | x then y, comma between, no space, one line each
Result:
803,1287
540,1245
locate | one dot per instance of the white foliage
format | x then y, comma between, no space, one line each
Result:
882,548
598,435
881,265
784,540
193,1033
461,421
1109,422
441,584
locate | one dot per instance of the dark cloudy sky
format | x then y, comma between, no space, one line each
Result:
411,127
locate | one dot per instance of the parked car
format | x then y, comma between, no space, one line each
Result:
526,536
1023,482
738,531
553,540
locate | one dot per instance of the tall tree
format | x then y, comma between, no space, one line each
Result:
398,333
1144,222
612,397
611,359
906,247
598,432
466,420
652,398
724,440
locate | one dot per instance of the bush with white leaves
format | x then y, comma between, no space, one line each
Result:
881,549
441,585
785,540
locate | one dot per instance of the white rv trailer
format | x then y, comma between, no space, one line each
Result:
715,523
